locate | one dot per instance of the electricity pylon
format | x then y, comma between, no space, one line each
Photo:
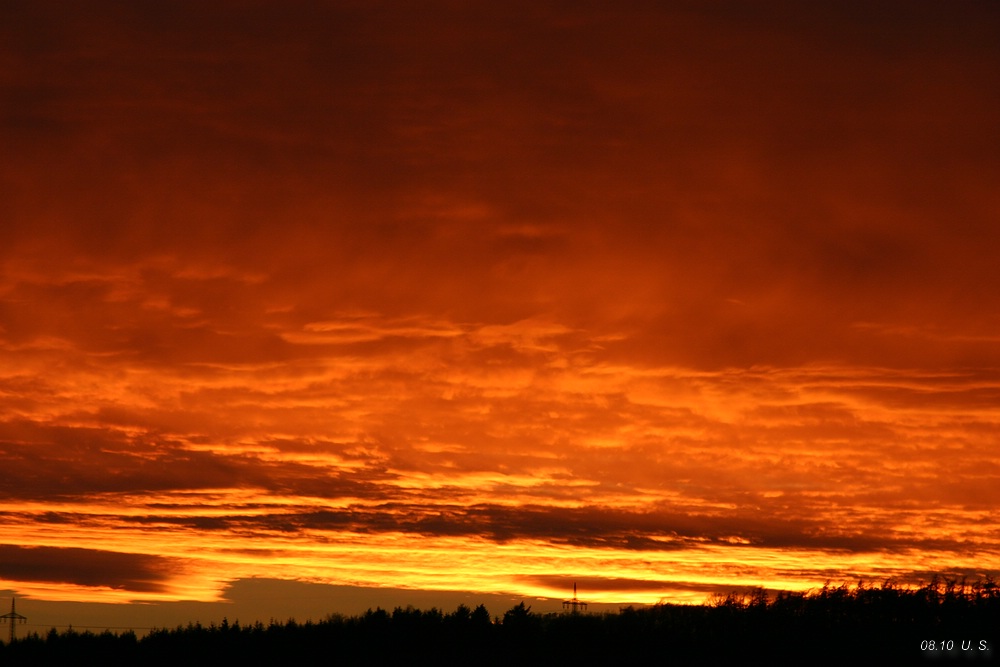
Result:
14,618
575,604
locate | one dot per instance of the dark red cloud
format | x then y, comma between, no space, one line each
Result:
811,526
86,567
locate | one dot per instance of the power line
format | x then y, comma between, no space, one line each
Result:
89,627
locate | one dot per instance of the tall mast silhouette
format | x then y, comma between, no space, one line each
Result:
575,605
14,619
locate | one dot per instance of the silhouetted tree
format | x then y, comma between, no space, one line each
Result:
834,625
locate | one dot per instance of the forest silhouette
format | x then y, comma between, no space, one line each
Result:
943,621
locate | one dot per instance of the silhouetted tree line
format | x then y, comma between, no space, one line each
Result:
942,621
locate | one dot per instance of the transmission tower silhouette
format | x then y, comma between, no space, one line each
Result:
575,605
14,618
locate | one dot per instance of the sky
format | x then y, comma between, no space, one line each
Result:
349,304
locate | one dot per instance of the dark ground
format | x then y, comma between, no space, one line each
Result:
938,623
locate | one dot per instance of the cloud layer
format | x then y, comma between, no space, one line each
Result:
485,298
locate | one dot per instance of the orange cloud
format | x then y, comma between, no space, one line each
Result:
659,298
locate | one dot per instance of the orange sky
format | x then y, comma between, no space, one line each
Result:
664,298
